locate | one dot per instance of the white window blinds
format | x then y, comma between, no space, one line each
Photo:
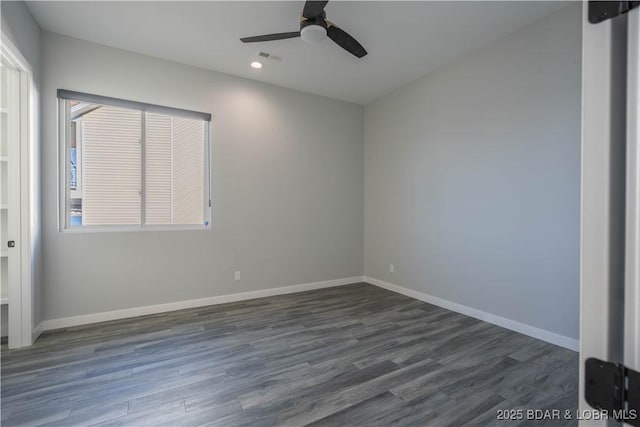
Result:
141,167
174,172
111,166
158,171
187,170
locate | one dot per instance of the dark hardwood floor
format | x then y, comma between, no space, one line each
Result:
355,355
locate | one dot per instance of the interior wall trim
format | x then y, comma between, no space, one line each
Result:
523,328
105,316
532,331
36,332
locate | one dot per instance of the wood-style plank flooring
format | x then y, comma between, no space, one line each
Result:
354,355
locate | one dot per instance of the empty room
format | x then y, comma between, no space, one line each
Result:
331,213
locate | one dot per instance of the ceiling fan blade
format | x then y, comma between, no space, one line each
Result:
313,9
271,37
345,41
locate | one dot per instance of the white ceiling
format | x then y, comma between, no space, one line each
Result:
405,40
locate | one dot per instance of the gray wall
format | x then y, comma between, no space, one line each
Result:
23,32
287,189
472,178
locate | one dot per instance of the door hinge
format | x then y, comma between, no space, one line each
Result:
602,10
613,388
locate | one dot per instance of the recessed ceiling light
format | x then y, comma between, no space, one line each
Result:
257,65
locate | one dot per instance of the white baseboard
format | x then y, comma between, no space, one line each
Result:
66,322
36,332
513,325
532,331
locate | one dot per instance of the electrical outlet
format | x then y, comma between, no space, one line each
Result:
237,276
392,268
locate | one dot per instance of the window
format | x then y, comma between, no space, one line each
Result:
133,165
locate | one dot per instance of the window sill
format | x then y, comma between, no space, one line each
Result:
133,228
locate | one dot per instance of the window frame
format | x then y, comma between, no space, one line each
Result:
64,141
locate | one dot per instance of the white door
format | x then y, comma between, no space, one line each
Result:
15,146
610,225
9,200
632,260
631,356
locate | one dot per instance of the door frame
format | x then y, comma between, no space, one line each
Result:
610,211
20,293
632,260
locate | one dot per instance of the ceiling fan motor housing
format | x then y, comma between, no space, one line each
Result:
314,30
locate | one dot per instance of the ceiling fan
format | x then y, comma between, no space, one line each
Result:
314,27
